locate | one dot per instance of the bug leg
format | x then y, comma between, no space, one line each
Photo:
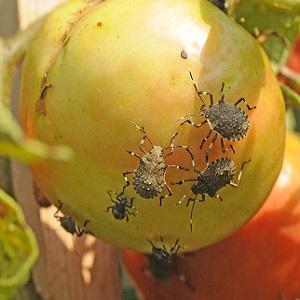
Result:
127,183
151,243
245,101
179,202
109,192
202,198
60,205
145,136
209,148
191,215
165,196
163,243
224,149
109,208
199,93
205,139
133,154
80,231
130,203
126,215
235,184
175,247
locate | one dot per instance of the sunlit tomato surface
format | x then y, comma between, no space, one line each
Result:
96,67
261,261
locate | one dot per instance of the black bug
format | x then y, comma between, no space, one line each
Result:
68,223
149,178
122,206
160,261
227,120
215,176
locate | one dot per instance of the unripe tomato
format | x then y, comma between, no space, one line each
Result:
261,261
96,67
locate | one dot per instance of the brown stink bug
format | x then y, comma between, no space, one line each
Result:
68,223
227,120
215,176
149,178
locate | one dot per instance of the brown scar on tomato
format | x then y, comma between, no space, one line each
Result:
40,107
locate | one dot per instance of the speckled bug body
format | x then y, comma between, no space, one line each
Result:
122,205
68,223
149,178
227,120
214,177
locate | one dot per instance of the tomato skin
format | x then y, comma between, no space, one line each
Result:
261,261
122,62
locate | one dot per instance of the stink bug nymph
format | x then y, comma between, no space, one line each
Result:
149,178
161,260
122,206
215,176
68,223
162,263
227,120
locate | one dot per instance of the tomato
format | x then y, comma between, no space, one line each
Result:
261,261
96,67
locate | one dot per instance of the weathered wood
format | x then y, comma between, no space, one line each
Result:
68,268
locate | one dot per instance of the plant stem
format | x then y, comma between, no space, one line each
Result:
12,50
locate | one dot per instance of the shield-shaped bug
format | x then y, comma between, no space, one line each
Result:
122,206
227,120
149,178
161,260
162,263
215,176
68,223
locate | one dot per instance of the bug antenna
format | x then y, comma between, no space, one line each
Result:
222,92
196,89
151,243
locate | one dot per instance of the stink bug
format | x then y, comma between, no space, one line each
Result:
121,207
162,263
215,176
161,260
227,120
68,223
149,178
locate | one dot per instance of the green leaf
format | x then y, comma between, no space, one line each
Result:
280,17
18,247
290,96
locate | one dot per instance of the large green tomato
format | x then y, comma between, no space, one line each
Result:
96,67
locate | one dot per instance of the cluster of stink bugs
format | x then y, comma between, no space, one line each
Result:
227,121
